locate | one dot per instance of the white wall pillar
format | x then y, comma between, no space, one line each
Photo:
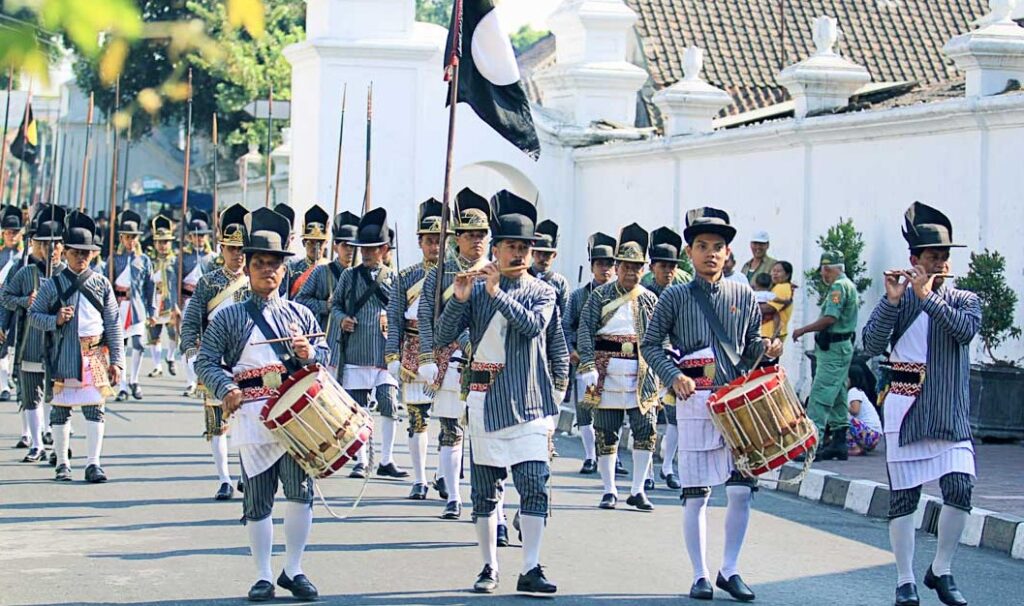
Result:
690,105
992,55
825,80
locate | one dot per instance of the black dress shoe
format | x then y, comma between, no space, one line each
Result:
23,443
224,493
672,482
240,486
34,455
486,581
608,501
122,396
136,391
418,492
589,467
156,372
171,369
53,458
94,474
702,590
358,472
262,591
63,474
640,501
452,511
301,587
502,535
945,587
535,582
619,469
391,471
735,587
906,595
441,488
649,484
48,439
5,395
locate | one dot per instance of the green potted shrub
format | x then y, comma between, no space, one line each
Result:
997,385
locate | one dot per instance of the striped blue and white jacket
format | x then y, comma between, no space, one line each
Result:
523,390
942,409
141,288
230,330
316,292
15,300
679,318
557,281
573,309
365,346
192,258
399,304
66,356
194,322
425,313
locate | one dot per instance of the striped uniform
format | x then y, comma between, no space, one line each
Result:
11,260
297,267
668,411
932,437
134,289
359,355
557,281
316,292
679,319
570,325
164,297
402,313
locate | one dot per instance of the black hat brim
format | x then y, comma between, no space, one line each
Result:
495,239
544,249
728,232
358,244
87,247
270,251
664,260
943,245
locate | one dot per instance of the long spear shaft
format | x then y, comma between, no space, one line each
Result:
184,195
116,150
270,134
85,162
23,131
216,156
367,194
453,99
3,138
337,171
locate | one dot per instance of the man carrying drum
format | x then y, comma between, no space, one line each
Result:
715,326
929,325
247,352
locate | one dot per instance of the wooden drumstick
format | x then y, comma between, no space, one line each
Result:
283,339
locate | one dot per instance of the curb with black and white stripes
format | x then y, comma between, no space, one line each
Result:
1002,532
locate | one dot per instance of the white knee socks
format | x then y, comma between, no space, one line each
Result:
641,463
449,466
589,448
418,452
261,545
387,440
219,446
901,536
533,535
298,519
606,465
499,509
5,373
26,430
951,526
190,372
695,532
94,441
61,438
135,365
669,445
487,539
156,354
737,517
35,425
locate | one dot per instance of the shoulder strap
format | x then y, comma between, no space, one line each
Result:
76,283
279,347
724,342
373,288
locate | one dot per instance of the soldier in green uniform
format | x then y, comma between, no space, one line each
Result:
835,331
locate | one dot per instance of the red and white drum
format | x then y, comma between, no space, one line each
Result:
762,421
317,422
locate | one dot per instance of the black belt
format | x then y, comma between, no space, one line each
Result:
482,377
837,337
694,372
627,349
906,376
256,382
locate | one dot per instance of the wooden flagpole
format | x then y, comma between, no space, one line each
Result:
24,134
216,154
85,162
3,137
270,135
337,170
184,193
116,150
367,193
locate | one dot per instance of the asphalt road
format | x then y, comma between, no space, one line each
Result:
153,535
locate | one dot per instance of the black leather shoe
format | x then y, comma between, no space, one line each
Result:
640,501
5,395
224,493
22,443
502,535
262,591
94,474
122,396
945,587
906,595
702,590
391,471
136,391
649,484
301,587
63,474
53,458
441,488
608,501
619,469
735,587
589,467
48,438
672,482
34,455
171,369
452,511
156,372
358,472
535,582
418,492
486,581
240,486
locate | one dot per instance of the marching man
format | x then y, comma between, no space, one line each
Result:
11,259
314,234
316,292
162,332
134,289
198,259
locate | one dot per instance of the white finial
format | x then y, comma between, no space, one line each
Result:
693,62
826,33
1001,10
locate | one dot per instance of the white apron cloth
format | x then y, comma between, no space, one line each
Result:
620,382
920,462
6,270
511,445
256,445
124,282
84,392
704,459
191,280
414,392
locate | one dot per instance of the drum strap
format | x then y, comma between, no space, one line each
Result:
279,347
724,342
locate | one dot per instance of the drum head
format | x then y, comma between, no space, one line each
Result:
292,394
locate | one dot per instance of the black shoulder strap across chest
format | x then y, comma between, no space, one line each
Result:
724,342
374,287
279,347
75,285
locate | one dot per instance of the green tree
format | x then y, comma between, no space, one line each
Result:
527,37
434,11
843,238
986,277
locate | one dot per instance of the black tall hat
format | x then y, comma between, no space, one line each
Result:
129,223
267,231
198,223
162,228
429,221
232,225
632,246
707,220
927,227
81,232
513,218
547,236
10,218
346,226
373,229
49,223
665,245
472,211
315,223
288,213
600,247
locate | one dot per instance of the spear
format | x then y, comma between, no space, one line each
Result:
367,195
184,195
3,141
216,154
337,171
24,133
85,164
270,134
116,151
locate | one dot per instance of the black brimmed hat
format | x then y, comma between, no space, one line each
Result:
547,236
429,221
48,224
513,218
373,229
632,246
666,245
472,212
198,223
267,231
601,247
927,227
346,226
129,223
162,229
11,218
315,224
232,226
81,234
708,220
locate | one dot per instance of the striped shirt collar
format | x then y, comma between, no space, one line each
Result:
274,301
706,286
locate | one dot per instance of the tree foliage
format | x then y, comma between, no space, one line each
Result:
527,37
843,238
438,12
986,277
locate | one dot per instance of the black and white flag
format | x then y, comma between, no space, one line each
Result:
489,79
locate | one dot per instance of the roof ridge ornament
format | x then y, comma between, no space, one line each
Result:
826,34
